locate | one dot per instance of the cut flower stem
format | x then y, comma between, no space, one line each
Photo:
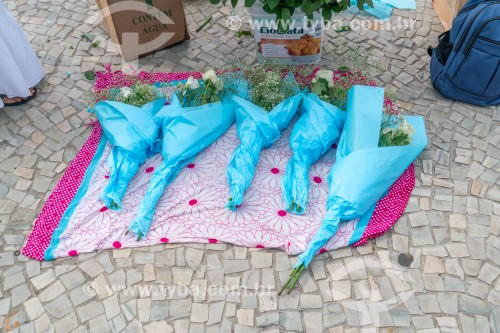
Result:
292,280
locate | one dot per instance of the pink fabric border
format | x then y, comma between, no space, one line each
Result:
390,208
61,197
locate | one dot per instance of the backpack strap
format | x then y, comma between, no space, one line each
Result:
472,3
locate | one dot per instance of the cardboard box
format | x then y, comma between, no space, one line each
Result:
141,27
447,10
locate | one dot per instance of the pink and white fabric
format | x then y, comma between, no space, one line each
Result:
193,207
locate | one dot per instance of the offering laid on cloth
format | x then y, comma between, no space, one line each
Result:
187,130
132,131
312,136
259,123
363,171
74,220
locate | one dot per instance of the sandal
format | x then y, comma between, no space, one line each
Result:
24,101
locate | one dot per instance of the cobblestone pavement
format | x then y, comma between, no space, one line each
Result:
451,226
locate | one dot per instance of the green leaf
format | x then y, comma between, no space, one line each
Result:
214,1
343,28
234,3
370,3
214,98
284,22
89,75
267,9
344,69
249,3
346,4
273,3
207,21
327,13
88,37
385,139
310,7
242,33
316,89
360,4
324,82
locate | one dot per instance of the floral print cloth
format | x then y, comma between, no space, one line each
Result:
192,209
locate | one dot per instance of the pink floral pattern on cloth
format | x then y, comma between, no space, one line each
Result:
192,207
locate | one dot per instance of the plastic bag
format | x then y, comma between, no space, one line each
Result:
132,132
312,136
257,129
363,172
186,132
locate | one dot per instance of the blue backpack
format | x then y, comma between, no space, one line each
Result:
465,66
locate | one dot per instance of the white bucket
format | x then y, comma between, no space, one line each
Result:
298,46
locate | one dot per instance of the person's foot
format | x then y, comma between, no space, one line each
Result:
13,100
7,100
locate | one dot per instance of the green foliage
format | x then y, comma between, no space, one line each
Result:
284,8
332,87
88,37
211,90
399,135
138,95
266,85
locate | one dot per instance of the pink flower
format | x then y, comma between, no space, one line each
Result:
167,232
74,243
318,184
271,169
116,239
278,219
211,233
199,170
195,202
144,174
249,212
94,217
260,239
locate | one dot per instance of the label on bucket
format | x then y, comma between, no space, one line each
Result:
300,44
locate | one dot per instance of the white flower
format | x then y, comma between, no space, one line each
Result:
407,128
191,83
387,130
210,76
126,92
324,74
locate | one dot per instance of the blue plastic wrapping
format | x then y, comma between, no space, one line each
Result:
312,136
382,9
361,177
257,129
363,120
186,132
132,132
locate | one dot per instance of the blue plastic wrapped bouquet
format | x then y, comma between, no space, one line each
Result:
132,132
257,129
312,136
186,132
363,171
